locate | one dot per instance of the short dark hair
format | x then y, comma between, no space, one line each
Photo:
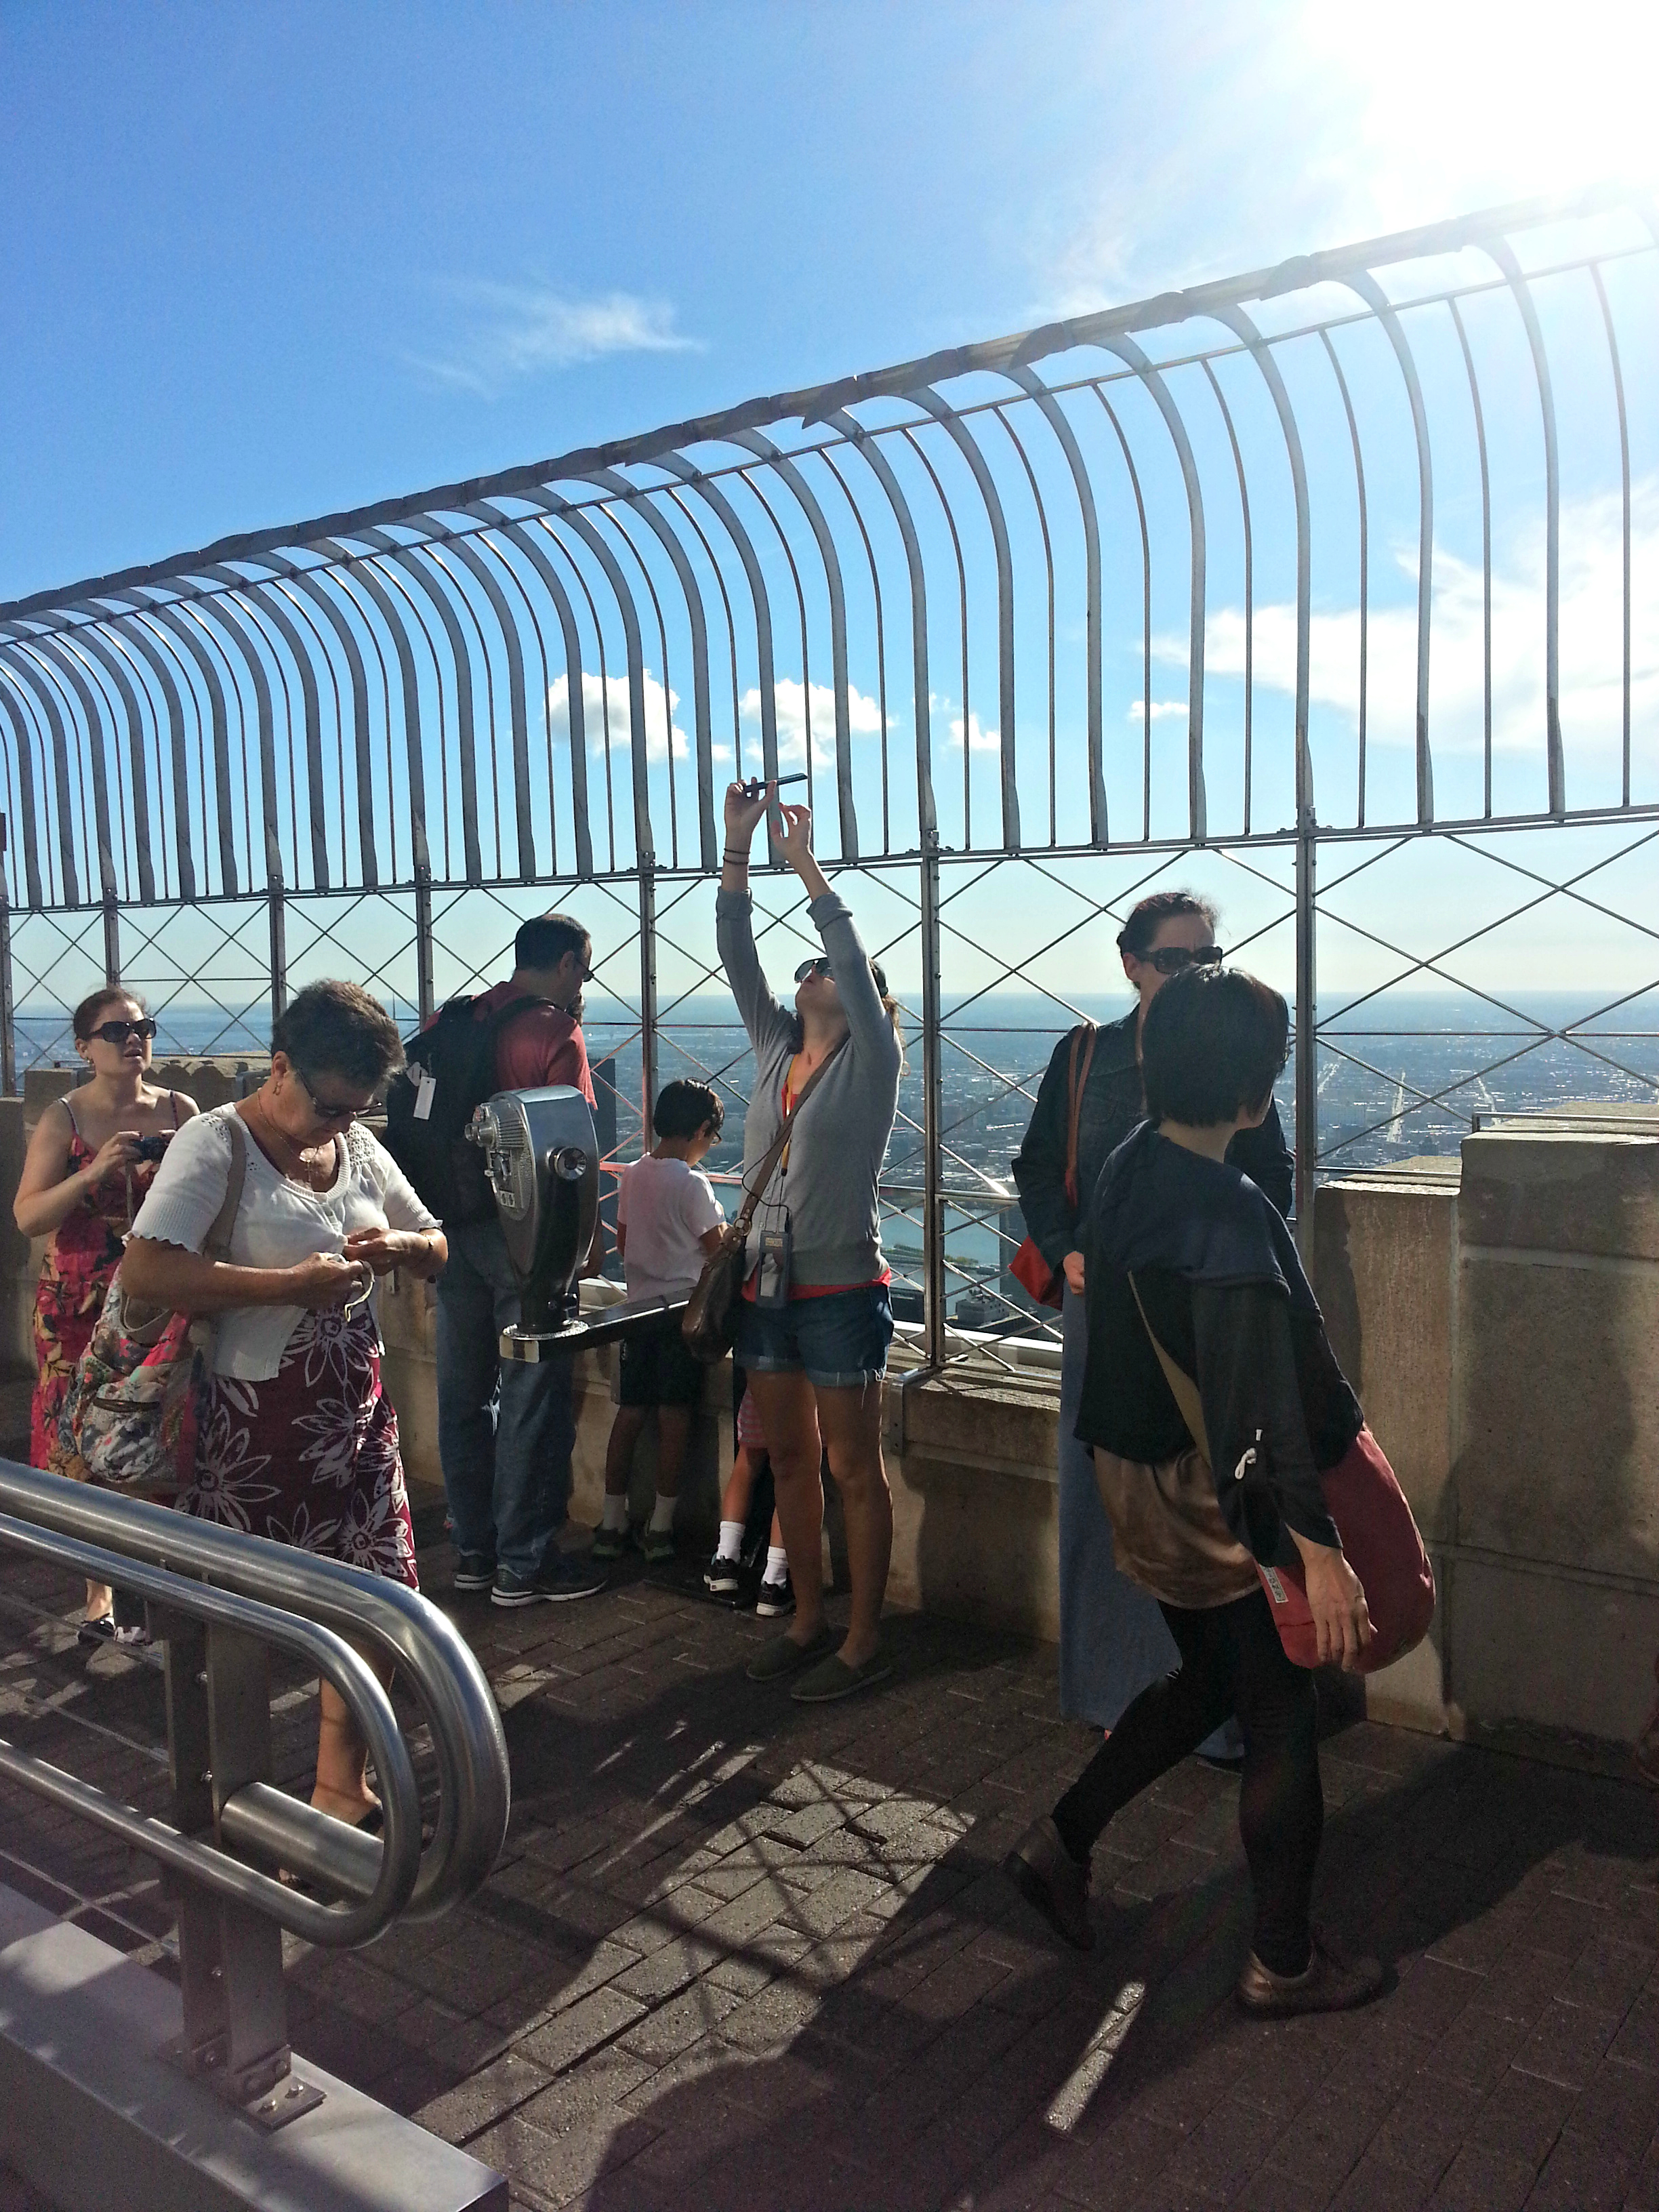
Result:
84,1020
338,1029
686,1109
543,940
1148,917
1212,1043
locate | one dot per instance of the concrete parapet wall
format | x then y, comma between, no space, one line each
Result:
1502,1329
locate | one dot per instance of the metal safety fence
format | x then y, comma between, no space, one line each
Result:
1328,590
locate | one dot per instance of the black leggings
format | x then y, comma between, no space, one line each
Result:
1231,1662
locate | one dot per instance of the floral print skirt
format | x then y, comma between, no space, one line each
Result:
310,1457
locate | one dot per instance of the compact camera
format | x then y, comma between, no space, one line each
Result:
152,1148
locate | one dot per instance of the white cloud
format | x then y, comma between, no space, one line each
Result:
1591,615
660,708
1161,708
980,740
791,700
514,330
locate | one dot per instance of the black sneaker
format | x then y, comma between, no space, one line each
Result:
474,1571
775,1600
563,1575
723,1577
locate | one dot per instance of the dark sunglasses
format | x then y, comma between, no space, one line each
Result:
1170,959
818,967
323,1110
118,1032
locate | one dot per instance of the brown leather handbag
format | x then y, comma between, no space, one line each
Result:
1047,1285
707,1322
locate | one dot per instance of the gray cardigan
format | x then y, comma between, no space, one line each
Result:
827,1189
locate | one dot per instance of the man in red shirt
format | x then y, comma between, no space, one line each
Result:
505,1430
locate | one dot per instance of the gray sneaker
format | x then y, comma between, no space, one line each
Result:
563,1575
783,1656
1045,1874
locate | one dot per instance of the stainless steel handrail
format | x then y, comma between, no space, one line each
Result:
277,1824
281,1582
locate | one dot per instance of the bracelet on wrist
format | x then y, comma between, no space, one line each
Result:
741,858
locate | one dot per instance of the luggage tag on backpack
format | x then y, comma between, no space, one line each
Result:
772,1290
426,1090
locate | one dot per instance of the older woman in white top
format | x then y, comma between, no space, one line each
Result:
297,1442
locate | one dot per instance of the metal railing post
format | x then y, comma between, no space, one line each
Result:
111,939
648,994
426,995
1307,1071
201,1969
932,1210
278,901
7,1010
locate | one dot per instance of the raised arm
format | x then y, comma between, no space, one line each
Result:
873,1036
47,1193
769,1024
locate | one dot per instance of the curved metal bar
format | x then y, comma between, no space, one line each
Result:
932,474
336,1926
40,690
829,459
352,570
882,469
1486,536
101,712
640,503
608,511
675,464
1001,414
515,685
1365,589
126,629
806,500
190,610
26,796
678,500
644,847
546,527
220,610
468,1744
302,581
1262,353
787,551
925,396
1380,304
87,640
170,620
1145,616
1623,478
486,543
393,550
575,703
92,710
1249,584
271,607
1500,252
1055,415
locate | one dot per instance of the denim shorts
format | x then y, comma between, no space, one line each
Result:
838,1341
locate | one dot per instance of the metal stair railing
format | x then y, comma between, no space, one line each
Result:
220,1600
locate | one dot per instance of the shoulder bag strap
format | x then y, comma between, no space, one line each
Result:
752,1191
215,1245
1083,1052
1182,1389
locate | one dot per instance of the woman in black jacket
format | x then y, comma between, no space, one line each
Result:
1112,1637
1181,1247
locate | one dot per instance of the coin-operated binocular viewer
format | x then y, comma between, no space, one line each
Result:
542,1156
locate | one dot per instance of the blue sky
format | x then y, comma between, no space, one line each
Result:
265,261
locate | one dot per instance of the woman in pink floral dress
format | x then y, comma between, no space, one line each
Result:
90,1162
297,1441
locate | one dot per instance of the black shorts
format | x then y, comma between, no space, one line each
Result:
655,1369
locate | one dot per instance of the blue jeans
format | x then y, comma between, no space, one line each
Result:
838,1341
505,1430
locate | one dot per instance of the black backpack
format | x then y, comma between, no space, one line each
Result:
456,1056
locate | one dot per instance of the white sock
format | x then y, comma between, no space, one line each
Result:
662,1514
616,1512
777,1564
730,1543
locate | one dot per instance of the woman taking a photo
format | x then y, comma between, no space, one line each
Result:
92,1157
1112,1637
815,1319
1183,1252
297,1442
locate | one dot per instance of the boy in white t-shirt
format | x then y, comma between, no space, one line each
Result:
668,1222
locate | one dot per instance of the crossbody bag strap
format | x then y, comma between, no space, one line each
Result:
1182,1389
215,1245
763,1173
1083,1052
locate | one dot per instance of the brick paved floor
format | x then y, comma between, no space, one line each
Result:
738,1952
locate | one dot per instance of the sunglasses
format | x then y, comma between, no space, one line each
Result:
1170,959
323,1108
118,1032
818,967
